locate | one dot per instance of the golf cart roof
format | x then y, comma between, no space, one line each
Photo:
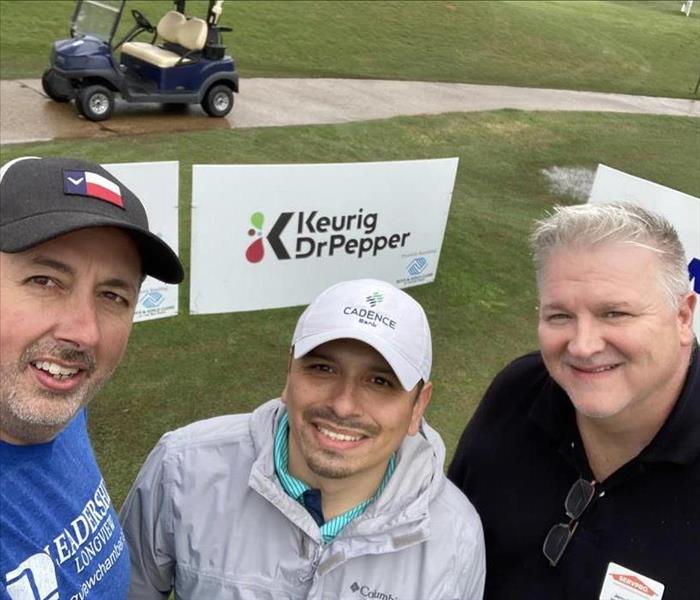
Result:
97,17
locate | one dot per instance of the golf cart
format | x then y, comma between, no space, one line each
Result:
184,61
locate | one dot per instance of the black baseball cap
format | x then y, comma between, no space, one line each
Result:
44,198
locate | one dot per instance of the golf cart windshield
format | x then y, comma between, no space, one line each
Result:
97,17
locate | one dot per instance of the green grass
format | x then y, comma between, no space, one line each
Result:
481,307
645,47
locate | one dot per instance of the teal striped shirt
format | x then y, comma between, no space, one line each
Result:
295,488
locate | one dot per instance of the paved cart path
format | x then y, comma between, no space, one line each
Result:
27,115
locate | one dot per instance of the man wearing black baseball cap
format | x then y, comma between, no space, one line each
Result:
74,249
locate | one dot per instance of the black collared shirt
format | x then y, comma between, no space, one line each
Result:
518,458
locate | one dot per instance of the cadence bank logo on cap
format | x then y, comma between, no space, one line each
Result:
86,183
366,316
374,298
315,235
635,583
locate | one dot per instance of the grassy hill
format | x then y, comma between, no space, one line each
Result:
638,47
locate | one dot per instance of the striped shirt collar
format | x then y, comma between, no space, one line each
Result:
295,488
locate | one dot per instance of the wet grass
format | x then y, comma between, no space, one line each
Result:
482,305
644,47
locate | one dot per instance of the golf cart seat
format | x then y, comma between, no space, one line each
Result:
176,32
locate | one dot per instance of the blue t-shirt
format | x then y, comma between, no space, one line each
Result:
60,538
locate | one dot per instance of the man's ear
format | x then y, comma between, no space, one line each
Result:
419,406
686,310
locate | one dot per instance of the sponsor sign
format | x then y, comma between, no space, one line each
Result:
156,185
682,210
621,583
269,236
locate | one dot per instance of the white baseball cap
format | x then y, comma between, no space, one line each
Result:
376,313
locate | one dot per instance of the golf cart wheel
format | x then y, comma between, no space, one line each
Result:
218,101
95,102
49,83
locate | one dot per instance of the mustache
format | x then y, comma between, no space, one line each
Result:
327,414
59,351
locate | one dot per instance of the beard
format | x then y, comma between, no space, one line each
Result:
32,414
328,463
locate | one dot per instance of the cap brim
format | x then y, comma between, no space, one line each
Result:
158,259
407,374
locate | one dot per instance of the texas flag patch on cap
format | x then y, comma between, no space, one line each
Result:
87,183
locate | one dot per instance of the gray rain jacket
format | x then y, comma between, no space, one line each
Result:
208,518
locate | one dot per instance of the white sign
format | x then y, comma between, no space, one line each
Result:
268,236
621,583
156,185
682,210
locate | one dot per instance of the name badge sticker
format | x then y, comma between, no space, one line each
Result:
621,583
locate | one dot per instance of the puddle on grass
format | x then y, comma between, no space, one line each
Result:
573,182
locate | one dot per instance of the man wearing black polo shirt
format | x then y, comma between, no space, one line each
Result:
583,459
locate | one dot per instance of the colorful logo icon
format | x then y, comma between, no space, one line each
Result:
256,250
374,299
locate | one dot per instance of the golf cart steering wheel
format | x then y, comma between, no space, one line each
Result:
142,21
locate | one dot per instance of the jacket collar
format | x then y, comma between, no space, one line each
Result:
399,517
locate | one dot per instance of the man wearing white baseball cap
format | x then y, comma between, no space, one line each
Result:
74,249
335,490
